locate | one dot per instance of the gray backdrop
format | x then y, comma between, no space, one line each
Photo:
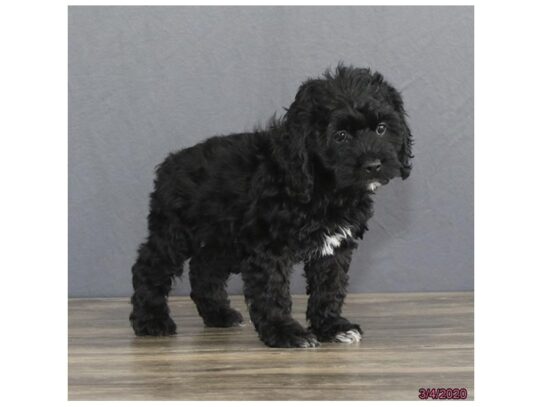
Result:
144,81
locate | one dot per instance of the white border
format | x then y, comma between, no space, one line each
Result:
34,200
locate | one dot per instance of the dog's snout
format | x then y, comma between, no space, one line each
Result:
373,166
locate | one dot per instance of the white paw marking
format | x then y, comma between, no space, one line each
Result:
333,241
373,186
351,336
310,343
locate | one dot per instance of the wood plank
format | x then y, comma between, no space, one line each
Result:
411,340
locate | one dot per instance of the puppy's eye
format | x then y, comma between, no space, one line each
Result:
341,136
381,129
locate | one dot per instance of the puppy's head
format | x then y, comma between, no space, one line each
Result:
351,123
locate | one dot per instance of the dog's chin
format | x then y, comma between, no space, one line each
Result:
373,185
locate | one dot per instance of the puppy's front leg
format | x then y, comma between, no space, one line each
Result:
327,280
267,293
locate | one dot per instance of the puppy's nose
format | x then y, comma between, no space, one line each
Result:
372,166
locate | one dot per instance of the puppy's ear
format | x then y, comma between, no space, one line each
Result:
302,120
291,155
405,154
309,112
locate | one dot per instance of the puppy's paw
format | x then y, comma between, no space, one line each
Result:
292,340
288,335
351,336
153,327
338,330
224,318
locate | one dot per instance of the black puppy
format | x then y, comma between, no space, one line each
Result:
256,203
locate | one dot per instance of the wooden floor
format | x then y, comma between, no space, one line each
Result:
411,341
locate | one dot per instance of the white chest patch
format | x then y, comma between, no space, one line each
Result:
331,242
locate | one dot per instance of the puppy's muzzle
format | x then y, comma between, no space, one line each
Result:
372,168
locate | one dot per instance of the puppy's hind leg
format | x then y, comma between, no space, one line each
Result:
209,272
160,258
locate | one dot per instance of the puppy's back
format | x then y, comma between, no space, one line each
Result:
207,177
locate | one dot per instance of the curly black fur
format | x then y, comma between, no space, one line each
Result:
257,203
